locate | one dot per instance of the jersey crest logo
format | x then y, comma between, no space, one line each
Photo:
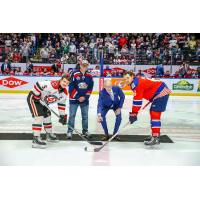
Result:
51,99
82,85
78,78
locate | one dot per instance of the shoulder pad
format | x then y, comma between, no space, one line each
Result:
76,74
55,84
88,74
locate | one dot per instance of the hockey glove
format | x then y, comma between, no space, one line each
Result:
63,119
132,117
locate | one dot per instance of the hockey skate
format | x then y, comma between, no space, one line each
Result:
152,141
105,138
117,138
148,138
51,137
69,135
38,143
86,135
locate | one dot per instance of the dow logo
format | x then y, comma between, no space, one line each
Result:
12,82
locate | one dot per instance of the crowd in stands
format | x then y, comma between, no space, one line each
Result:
124,49
115,48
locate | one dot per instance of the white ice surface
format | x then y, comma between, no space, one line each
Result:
180,122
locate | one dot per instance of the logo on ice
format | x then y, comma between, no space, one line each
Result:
12,82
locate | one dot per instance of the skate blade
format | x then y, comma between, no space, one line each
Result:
38,146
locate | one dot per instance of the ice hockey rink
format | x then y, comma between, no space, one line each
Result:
180,122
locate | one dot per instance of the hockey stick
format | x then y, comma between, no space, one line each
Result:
56,114
99,148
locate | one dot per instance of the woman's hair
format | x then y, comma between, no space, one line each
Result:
130,73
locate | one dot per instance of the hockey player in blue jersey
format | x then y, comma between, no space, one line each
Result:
80,89
110,98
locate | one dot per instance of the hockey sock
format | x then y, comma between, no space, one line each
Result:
155,123
37,126
47,124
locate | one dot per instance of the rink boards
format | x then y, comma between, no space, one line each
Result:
23,84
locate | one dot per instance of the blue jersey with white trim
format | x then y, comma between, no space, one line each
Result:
81,86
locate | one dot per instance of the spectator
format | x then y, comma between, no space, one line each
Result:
122,41
167,75
72,59
16,56
173,42
114,74
8,42
18,72
96,71
45,72
51,73
176,75
189,74
11,72
198,71
72,48
44,53
183,69
26,73
25,51
79,61
6,67
198,53
159,70
29,66
192,43
140,74
60,72
56,66
64,58
34,72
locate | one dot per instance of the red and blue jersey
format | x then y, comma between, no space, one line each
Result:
149,89
81,85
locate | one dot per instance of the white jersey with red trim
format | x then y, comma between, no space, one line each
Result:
52,92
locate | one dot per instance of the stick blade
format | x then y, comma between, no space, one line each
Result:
97,149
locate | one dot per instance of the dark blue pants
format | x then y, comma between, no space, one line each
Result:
104,123
84,113
160,104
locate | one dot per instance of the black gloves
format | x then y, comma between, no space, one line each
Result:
132,117
63,119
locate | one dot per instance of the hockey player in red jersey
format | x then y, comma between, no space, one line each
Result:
49,92
154,91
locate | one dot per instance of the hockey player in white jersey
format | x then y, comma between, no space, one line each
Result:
49,92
